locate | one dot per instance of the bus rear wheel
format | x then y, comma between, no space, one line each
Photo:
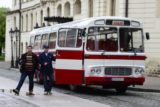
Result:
121,89
73,88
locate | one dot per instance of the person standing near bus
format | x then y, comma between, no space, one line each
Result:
45,60
29,63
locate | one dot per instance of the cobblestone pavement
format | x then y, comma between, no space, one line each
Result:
10,101
130,99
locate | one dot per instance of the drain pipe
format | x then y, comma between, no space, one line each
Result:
126,8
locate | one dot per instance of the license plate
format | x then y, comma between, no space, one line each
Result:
117,79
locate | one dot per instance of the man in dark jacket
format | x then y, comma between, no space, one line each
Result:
45,60
29,63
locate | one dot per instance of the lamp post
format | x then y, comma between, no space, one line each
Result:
11,36
17,37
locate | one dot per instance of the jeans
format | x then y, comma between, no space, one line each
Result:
48,81
22,79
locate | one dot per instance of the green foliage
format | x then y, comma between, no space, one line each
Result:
2,58
3,13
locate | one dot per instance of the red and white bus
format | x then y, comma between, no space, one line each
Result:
105,51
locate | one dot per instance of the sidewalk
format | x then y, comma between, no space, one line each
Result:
152,84
55,100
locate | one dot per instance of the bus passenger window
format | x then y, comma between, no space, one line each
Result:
32,40
37,43
71,38
52,40
44,40
62,39
91,43
79,39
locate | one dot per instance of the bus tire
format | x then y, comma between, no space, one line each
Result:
121,89
73,88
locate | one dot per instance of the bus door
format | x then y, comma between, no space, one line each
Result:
69,57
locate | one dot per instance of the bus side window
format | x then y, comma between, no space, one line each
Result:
44,40
37,43
79,39
52,40
32,41
62,38
71,38
91,43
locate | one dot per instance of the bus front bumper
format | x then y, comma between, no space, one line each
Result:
115,80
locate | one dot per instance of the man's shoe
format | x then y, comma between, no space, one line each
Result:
50,93
45,93
30,93
16,91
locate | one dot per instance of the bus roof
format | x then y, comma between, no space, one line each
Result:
83,23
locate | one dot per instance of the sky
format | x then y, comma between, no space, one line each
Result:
6,3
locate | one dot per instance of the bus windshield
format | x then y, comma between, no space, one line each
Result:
131,40
102,39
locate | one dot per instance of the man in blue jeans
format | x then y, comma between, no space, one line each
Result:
45,60
29,63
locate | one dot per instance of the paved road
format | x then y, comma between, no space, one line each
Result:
130,99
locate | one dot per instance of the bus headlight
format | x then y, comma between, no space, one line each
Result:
139,71
95,70
98,70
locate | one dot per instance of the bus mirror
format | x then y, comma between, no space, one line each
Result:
147,36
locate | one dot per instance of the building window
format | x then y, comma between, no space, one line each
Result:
36,17
158,8
21,48
59,10
113,7
31,21
90,5
15,21
22,24
26,22
48,14
77,7
41,17
67,9
15,2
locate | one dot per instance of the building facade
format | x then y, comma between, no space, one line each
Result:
34,11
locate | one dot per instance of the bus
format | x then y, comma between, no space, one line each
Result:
103,51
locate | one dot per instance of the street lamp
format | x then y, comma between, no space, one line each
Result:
11,36
17,37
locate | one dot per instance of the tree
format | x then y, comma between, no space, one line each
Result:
3,13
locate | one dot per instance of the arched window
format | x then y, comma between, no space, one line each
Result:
21,47
41,17
113,7
48,12
36,17
67,9
15,2
22,23
26,22
158,8
90,6
15,21
77,7
31,21
59,10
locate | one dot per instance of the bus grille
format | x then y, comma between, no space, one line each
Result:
118,71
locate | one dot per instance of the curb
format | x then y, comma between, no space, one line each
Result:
144,90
